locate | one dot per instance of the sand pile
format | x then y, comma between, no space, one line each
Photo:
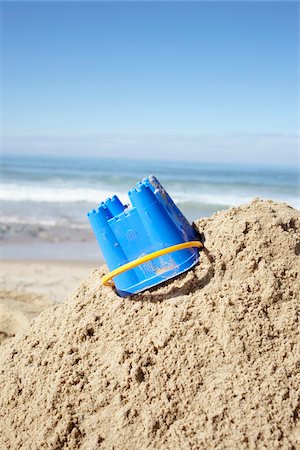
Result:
211,360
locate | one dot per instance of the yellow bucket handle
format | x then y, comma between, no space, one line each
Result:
106,279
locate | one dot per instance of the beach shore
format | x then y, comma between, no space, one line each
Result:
30,287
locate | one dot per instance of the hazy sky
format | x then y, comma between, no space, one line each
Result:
214,80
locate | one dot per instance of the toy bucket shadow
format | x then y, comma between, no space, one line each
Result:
190,285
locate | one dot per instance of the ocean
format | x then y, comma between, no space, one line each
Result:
45,199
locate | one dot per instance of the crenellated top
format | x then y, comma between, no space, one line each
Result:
112,208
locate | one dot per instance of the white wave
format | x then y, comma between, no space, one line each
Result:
15,220
15,193
228,200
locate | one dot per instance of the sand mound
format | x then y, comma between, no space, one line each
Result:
211,360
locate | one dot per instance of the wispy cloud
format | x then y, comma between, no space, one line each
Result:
248,148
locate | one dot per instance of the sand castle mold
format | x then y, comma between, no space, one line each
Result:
210,360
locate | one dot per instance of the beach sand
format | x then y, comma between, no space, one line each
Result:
207,361
29,287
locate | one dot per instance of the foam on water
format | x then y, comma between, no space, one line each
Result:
34,193
58,191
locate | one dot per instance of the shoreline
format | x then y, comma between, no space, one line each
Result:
51,278
62,262
68,251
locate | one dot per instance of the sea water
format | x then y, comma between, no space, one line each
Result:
46,198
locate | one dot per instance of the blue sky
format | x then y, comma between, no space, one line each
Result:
216,80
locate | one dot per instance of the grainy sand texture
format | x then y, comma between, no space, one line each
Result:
30,287
208,361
